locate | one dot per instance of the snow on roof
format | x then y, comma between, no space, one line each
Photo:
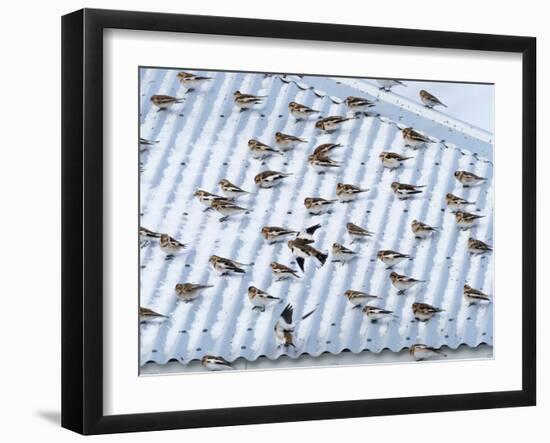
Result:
204,139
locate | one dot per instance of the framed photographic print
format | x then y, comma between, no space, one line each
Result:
287,206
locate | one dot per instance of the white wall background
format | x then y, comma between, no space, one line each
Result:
30,221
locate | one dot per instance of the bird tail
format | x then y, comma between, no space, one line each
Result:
322,257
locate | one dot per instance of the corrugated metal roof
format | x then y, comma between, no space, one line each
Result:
204,139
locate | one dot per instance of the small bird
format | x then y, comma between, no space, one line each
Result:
276,233
404,191
146,235
392,160
474,296
330,124
391,258
307,234
321,162
229,189
260,150
317,205
358,298
164,101
207,198
284,327
430,100
357,233
300,112
269,179
375,313
191,81
287,142
215,363
466,220
302,249
358,104
170,246
189,291
478,247
402,282
456,203
422,230
389,83
325,148
145,144
245,101
226,208
422,352
424,311
347,193
468,179
341,254
282,272
414,139
260,299
147,315
226,266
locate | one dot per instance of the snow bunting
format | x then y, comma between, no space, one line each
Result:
317,205
330,124
260,150
468,178
260,299
300,112
189,291
422,230
474,296
282,272
147,315
424,311
226,266
170,246
207,198
307,234
392,160
430,100
358,104
302,249
466,220
229,189
145,144
284,328
245,101
402,282
322,163
325,148
287,142
348,193
269,179
164,101
456,203
145,235
414,139
422,352
342,254
357,232
191,81
389,83
478,247
215,363
391,258
376,314
404,191
358,298
275,233
226,208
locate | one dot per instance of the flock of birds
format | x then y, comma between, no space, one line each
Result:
301,243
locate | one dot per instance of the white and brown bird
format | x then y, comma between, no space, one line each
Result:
391,258
422,230
191,81
170,246
246,101
468,179
307,234
302,249
478,247
403,190
424,311
227,208
358,298
318,205
188,292
230,190
226,266
269,179
164,101
331,123
430,100
403,282
260,299
282,272
423,352
276,233
145,144
466,220
347,193
216,363
260,150
341,254
325,148
358,104
388,83
146,236
474,296
414,139
285,327
148,315
286,142
207,198
375,313
322,163
300,112
456,203
357,233
392,160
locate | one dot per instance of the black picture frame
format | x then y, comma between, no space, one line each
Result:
82,219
